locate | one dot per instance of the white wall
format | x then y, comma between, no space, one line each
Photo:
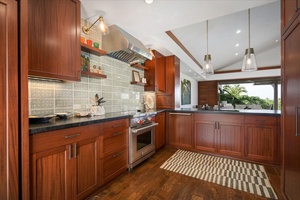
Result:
194,89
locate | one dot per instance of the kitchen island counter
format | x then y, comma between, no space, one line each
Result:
57,123
229,111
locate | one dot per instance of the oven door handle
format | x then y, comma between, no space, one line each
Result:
135,130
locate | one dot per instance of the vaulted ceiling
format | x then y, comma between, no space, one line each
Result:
185,21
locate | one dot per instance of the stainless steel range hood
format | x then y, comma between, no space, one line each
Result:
123,46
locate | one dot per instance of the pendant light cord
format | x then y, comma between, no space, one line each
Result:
249,25
207,37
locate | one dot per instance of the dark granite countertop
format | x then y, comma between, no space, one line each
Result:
229,111
57,124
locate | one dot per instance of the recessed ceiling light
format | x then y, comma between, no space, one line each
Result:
237,45
190,70
238,31
148,1
276,40
236,54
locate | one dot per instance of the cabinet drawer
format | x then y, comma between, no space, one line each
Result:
114,126
114,164
44,141
263,120
219,117
114,140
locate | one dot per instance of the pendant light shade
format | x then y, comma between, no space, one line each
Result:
208,68
249,62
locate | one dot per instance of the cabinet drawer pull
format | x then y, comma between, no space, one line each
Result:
116,134
260,121
117,154
296,111
116,126
70,152
71,136
185,114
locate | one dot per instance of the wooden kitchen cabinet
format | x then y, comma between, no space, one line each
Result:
54,39
163,77
160,130
290,9
290,109
180,130
156,75
65,164
9,101
218,133
205,135
262,138
114,139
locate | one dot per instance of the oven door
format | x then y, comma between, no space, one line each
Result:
141,142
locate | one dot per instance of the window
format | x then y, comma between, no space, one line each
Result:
250,94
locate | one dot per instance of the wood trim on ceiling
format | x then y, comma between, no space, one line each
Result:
238,70
176,40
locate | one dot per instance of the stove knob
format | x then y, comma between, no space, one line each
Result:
151,119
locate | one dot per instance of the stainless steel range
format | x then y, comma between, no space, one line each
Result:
141,137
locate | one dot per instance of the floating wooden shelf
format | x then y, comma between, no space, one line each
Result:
92,50
138,66
138,83
95,75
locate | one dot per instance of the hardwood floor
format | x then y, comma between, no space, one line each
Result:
148,181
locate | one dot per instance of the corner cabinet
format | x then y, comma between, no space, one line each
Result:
54,39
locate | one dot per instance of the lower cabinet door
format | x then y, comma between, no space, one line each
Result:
52,174
231,139
205,136
263,143
88,167
160,130
114,164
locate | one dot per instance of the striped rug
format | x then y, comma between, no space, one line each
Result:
239,175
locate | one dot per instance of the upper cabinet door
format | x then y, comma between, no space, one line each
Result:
9,112
156,75
54,39
289,9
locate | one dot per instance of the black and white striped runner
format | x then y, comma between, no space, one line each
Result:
239,175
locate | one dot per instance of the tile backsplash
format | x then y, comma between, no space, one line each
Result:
46,97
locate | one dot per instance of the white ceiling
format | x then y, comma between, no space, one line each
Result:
186,19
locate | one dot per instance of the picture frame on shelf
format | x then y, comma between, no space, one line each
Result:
135,76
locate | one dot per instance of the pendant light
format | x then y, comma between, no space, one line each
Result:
208,68
249,62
